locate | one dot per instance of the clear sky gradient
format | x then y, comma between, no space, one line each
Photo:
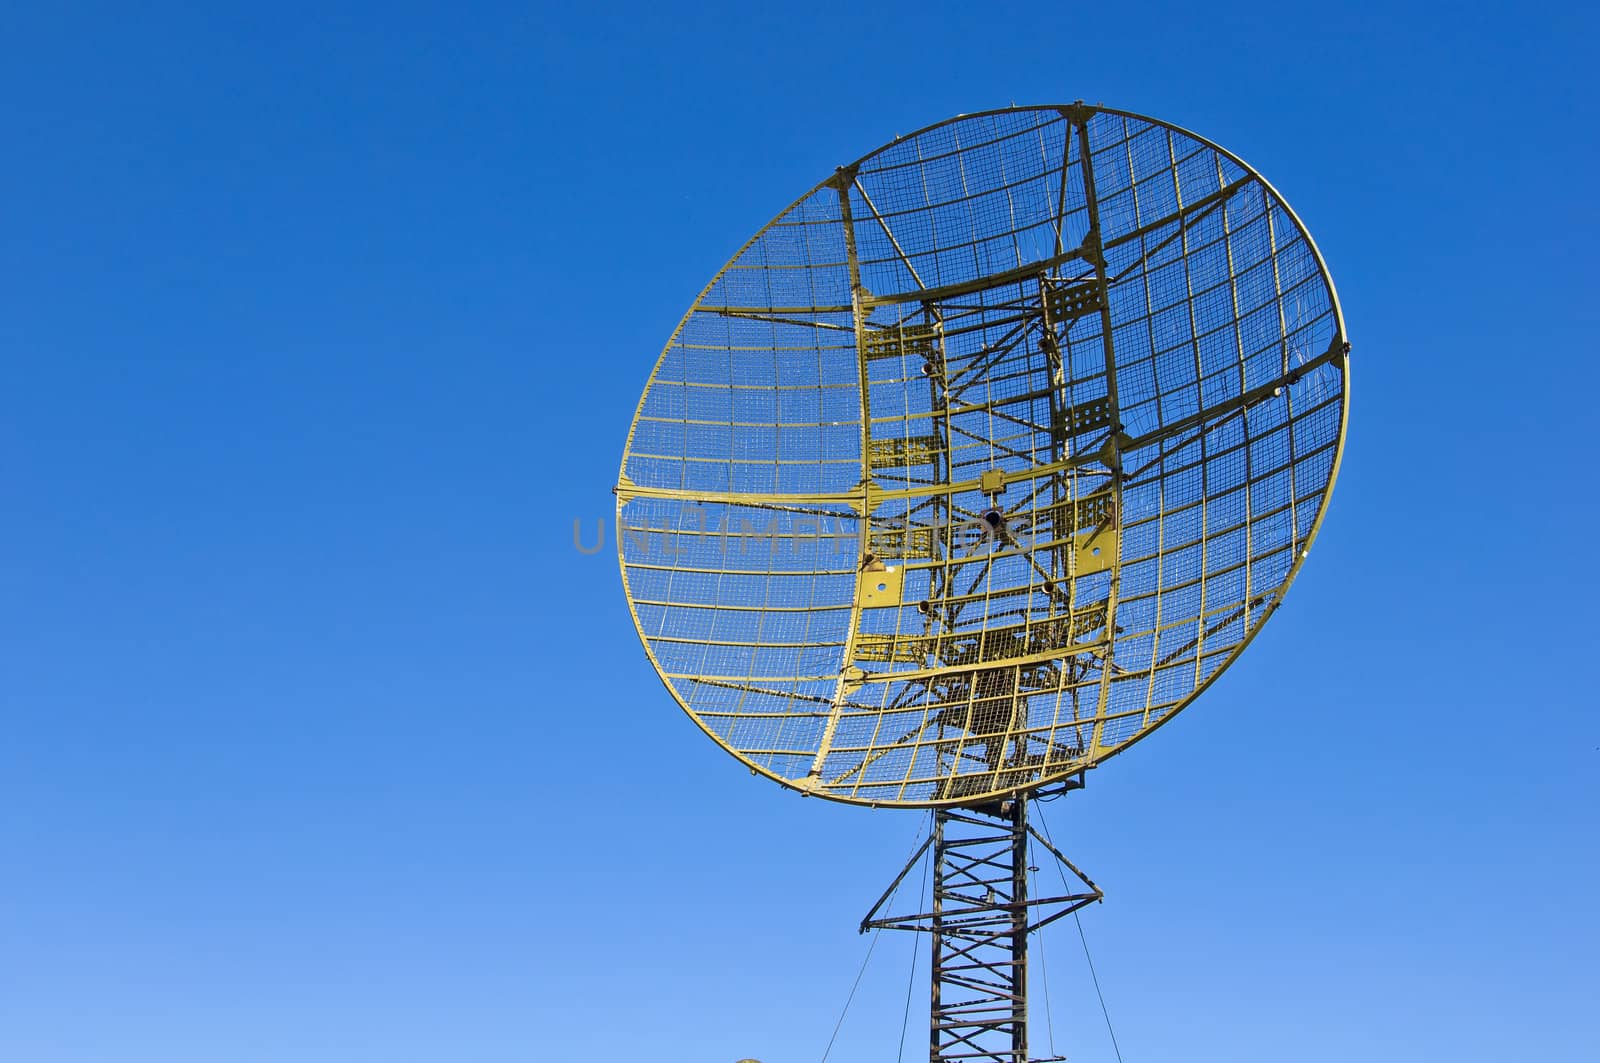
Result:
320,742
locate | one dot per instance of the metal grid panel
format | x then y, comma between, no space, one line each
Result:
984,457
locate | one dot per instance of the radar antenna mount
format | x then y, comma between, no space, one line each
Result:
981,916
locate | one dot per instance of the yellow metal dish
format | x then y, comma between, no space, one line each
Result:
985,457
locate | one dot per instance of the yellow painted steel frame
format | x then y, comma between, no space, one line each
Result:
1016,483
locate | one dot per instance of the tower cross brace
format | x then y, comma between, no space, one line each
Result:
979,920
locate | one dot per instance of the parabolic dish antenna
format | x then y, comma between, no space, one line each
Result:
972,468
985,457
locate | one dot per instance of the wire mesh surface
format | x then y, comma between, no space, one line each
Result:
984,457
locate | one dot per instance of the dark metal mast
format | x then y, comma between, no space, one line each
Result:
979,922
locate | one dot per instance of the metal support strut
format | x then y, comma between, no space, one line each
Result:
980,919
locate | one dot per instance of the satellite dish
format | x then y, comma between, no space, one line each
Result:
985,457
968,471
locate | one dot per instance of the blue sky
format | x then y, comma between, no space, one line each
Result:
321,742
